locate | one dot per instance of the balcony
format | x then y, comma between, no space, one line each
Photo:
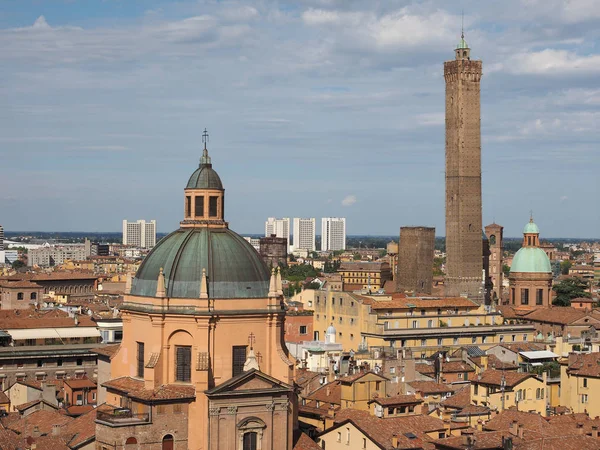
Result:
121,417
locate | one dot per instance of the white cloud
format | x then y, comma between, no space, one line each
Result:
349,200
40,23
551,62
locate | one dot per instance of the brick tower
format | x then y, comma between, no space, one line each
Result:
494,233
415,260
464,232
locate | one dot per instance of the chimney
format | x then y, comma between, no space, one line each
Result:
513,427
595,432
484,362
579,428
520,430
395,441
36,432
480,425
328,390
55,430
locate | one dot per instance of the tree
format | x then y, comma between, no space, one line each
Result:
505,270
569,289
331,266
18,264
438,262
565,266
356,257
315,285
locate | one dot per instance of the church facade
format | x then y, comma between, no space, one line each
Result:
202,364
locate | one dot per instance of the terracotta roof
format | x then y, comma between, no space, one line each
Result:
561,443
78,410
80,383
27,319
424,303
357,376
532,422
556,314
410,430
362,266
474,410
329,393
397,400
43,419
482,441
10,440
306,443
4,398
461,399
447,367
523,346
494,363
493,377
304,377
429,387
82,429
585,365
24,406
25,284
109,350
135,389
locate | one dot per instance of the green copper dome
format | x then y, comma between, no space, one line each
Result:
531,228
205,176
531,259
462,43
234,268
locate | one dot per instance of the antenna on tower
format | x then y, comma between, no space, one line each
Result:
462,24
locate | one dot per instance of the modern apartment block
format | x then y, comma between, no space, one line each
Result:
333,233
304,234
53,255
140,233
2,255
278,227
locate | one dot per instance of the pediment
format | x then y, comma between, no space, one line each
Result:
252,380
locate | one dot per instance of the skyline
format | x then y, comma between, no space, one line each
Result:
98,126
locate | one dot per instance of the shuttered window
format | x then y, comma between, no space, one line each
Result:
199,206
183,356
140,359
239,358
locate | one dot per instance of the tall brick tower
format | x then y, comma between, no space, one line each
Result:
494,233
463,175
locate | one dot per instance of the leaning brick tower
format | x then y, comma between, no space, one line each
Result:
463,176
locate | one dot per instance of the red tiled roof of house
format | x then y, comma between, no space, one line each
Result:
429,387
584,365
25,284
329,393
306,443
83,428
135,389
397,400
424,303
24,406
533,423
447,367
304,377
556,315
4,398
9,440
27,319
474,410
523,346
494,363
482,441
42,419
493,377
382,430
108,350
80,383
461,399
78,410
572,442
357,376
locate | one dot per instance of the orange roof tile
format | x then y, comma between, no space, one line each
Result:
397,400
135,389
430,387
306,443
493,377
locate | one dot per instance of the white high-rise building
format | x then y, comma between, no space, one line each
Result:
333,233
279,227
304,234
2,255
140,233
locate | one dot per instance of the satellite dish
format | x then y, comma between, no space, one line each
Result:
45,305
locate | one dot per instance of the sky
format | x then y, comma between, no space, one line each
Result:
314,108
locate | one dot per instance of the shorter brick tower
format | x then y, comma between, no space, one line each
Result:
494,233
415,260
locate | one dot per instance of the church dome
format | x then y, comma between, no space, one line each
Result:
532,260
531,228
330,330
233,267
205,176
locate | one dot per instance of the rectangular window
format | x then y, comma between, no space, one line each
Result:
183,362
79,362
302,329
212,206
524,296
439,341
140,359
513,295
539,297
199,204
585,382
584,398
415,324
188,206
423,342
239,358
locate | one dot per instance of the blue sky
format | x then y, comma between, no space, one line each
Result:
315,108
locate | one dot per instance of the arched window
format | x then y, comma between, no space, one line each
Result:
250,432
167,442
33,296
131,444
